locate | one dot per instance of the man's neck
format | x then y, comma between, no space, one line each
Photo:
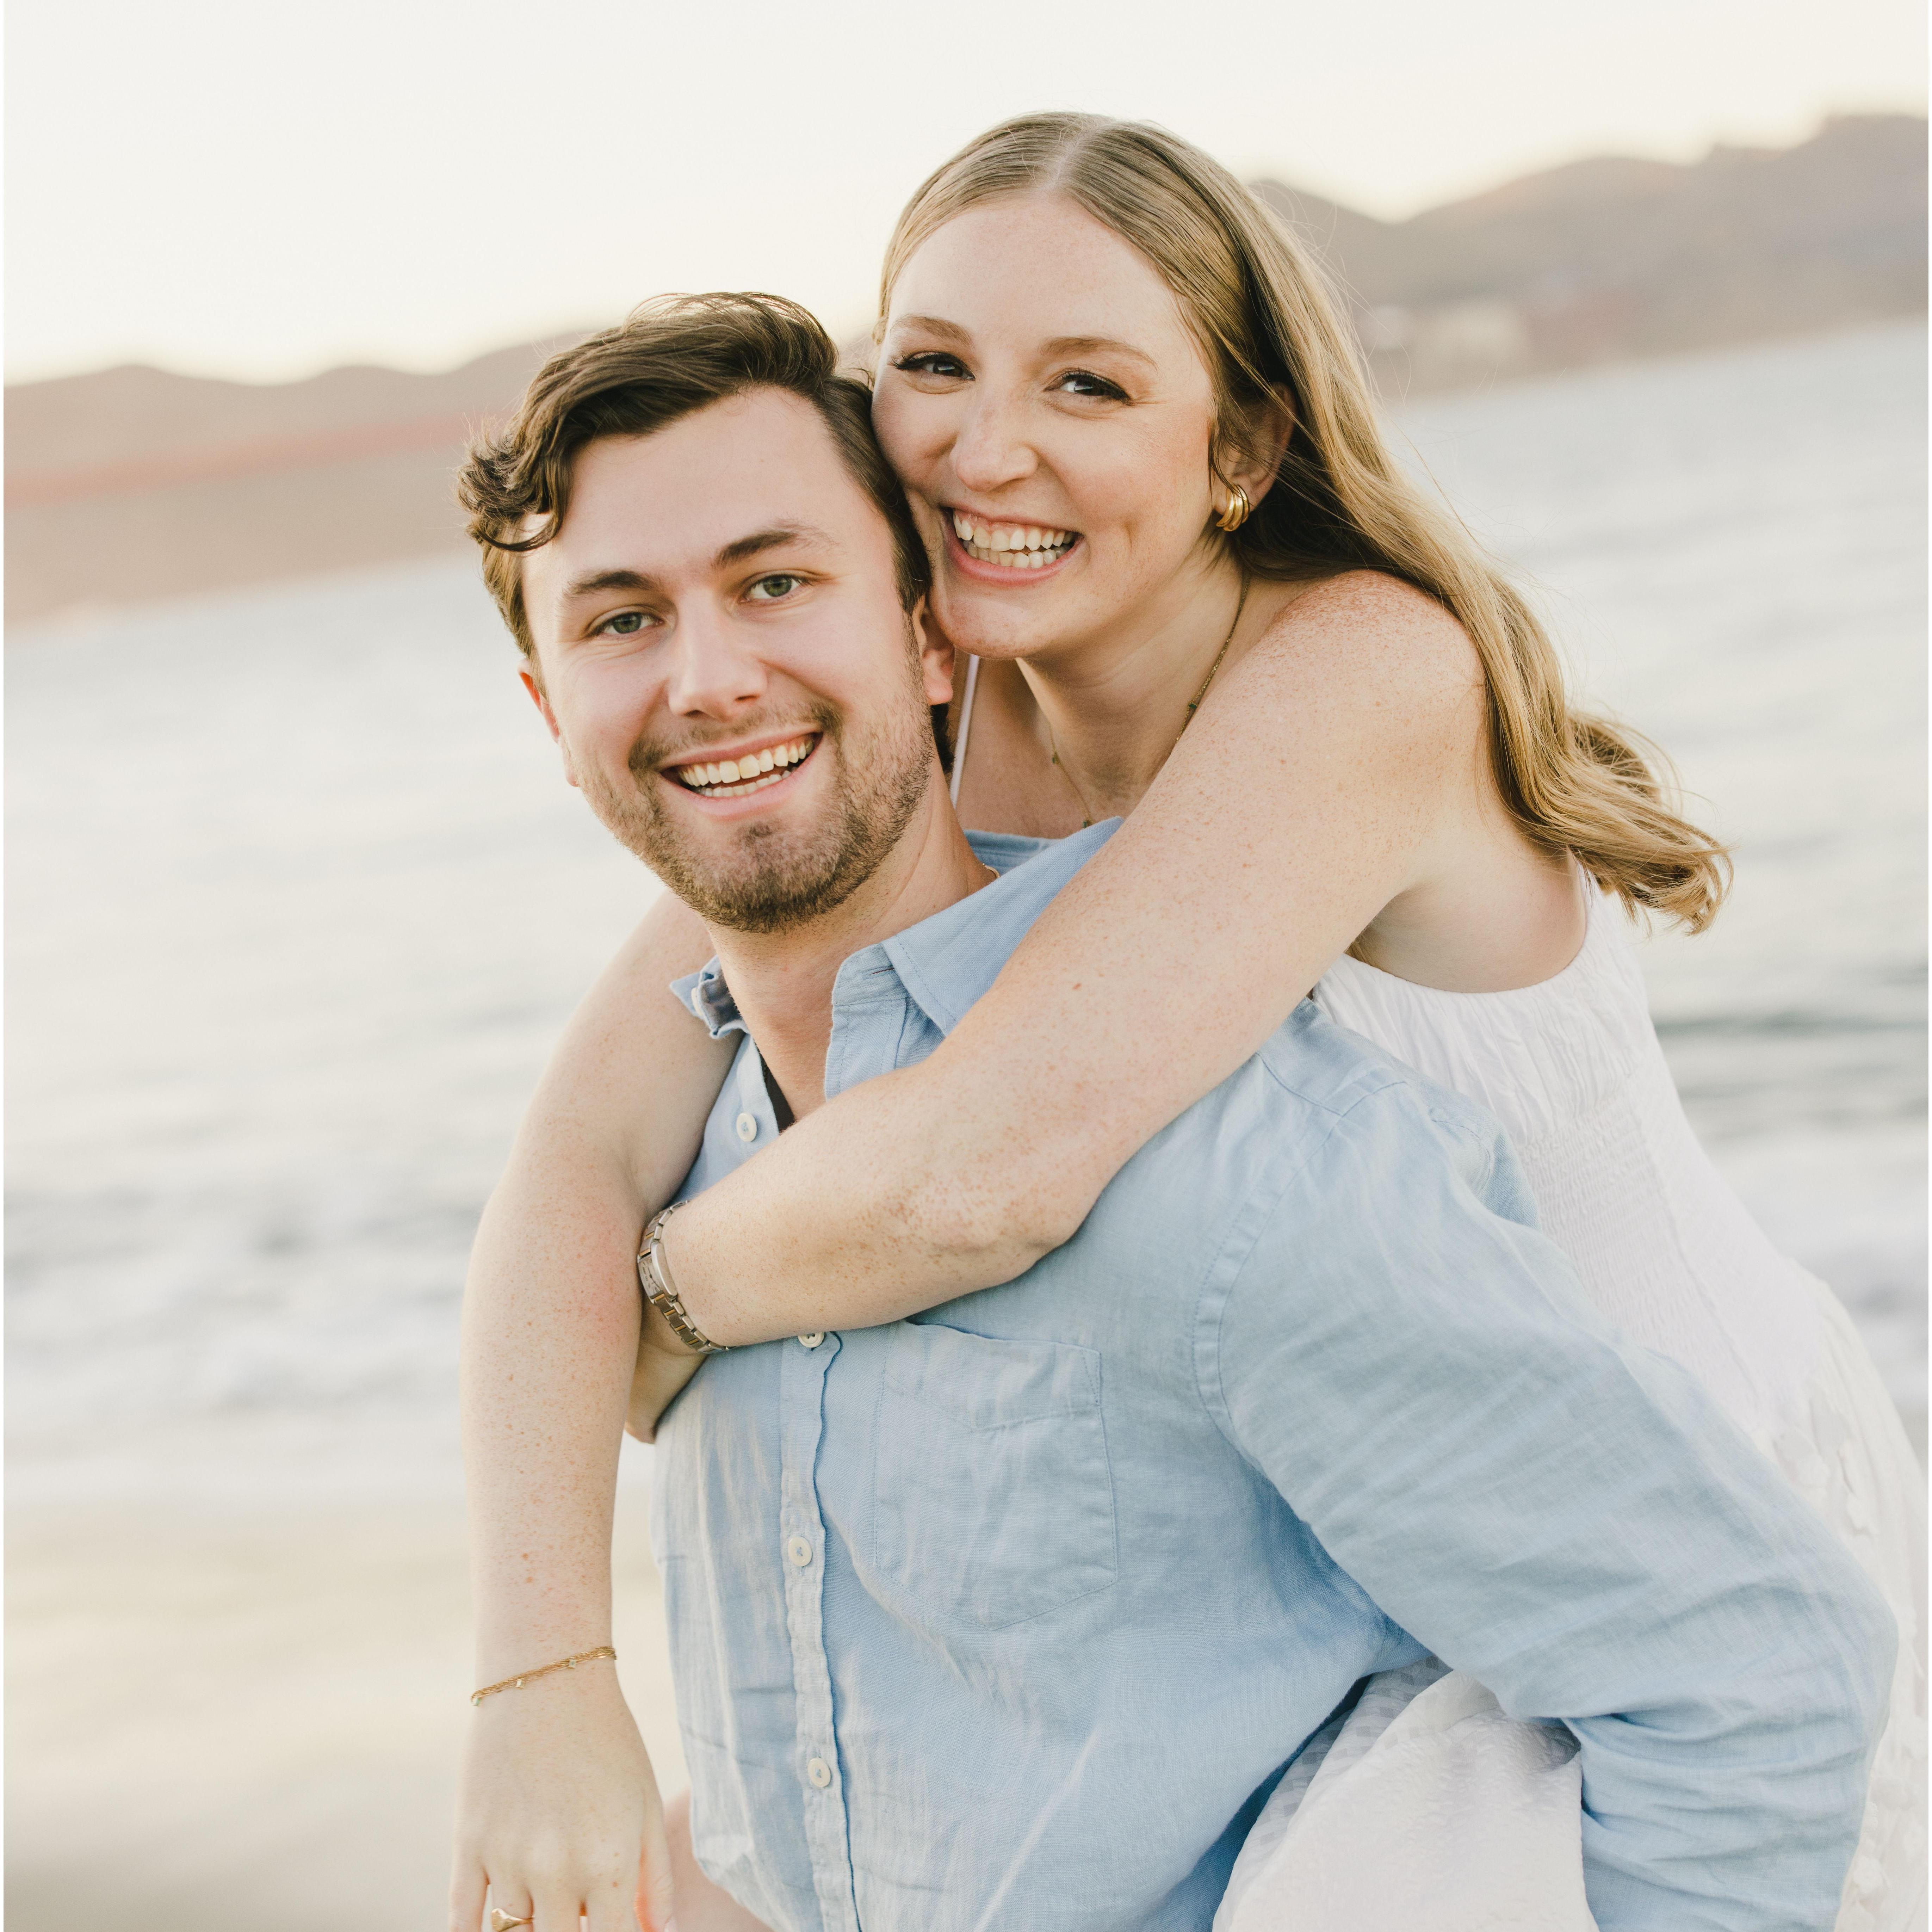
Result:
781,982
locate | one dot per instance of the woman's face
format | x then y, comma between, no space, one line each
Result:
1052,418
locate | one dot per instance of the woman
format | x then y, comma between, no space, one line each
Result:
1138,442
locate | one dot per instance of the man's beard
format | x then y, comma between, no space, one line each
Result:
755,876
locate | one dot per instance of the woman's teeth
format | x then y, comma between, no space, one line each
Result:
739,778
1015,546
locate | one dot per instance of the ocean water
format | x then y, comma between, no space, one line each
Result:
298,901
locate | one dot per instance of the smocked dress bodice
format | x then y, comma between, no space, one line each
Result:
1573,1070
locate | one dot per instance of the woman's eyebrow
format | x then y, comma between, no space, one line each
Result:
1093,345
933,324
1060,345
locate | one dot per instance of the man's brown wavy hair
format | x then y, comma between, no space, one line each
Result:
670,357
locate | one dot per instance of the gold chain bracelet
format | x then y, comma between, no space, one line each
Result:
562,1663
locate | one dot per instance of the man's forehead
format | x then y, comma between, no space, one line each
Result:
762,461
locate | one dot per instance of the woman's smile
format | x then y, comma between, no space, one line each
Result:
994,551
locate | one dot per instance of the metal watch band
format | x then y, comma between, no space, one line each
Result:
654,1278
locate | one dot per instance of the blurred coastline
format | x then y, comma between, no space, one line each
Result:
133,483
299,903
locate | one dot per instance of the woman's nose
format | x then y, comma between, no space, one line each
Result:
992,449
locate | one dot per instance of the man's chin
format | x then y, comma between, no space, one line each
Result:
773,899
751,875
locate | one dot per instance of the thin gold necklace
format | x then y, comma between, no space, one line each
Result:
1193,705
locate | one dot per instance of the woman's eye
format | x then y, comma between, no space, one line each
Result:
771,589
1085,382
933,362
624,624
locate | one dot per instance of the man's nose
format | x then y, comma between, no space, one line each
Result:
714,673
993,448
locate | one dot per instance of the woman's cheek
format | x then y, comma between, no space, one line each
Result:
913,438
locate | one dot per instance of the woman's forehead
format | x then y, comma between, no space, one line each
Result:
1039,265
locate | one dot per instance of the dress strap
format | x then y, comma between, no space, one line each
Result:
965,726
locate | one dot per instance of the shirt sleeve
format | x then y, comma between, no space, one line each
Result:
1564,1515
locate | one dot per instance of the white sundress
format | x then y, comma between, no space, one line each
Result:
1426,1810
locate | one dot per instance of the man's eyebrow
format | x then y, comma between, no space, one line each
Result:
759,541
593,582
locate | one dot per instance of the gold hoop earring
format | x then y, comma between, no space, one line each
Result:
1236,514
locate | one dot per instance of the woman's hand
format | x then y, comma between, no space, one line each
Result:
559,1813
664,1365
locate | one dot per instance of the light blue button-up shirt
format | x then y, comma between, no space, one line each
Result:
1008,1616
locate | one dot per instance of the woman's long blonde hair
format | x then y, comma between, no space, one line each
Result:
1272,335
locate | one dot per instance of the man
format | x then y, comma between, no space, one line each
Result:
1010,1615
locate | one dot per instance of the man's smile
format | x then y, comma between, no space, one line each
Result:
745,773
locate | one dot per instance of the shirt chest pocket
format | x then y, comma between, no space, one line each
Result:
992,1499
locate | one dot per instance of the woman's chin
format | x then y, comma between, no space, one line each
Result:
994,639
991,623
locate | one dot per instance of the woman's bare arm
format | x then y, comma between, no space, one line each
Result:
557,1794
550,1312
1308,794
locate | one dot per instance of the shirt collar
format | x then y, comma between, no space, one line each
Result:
945,962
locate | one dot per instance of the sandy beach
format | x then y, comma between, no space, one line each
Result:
229,1720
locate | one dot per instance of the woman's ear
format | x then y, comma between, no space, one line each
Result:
1254,462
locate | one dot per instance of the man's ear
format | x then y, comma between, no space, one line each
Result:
533,685
1252,464
935,655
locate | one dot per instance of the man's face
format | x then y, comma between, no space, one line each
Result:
726,664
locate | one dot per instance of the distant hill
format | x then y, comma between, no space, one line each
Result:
1609,258
133,484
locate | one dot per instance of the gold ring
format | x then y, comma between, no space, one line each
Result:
500,1921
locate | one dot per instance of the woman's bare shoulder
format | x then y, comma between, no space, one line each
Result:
1370,616
1363,643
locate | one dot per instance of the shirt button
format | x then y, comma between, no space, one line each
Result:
819,1771
813,1340
800,1551
747,1128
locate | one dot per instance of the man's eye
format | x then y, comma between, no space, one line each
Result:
624,624
1085,382
933,362
770,589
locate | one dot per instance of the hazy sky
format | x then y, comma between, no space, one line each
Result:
263,188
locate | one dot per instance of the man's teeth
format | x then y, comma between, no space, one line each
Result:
739,778
1016,546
